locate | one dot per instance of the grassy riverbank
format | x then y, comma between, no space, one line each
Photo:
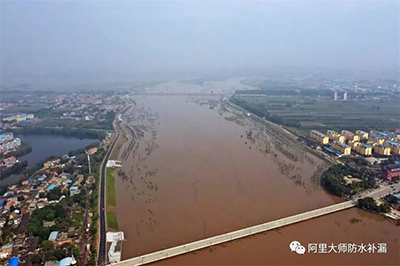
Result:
111,198
112,222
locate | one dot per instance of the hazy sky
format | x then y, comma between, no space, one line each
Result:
39,37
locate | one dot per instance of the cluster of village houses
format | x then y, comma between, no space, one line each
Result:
20,201
8,142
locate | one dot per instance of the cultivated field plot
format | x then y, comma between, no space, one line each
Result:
300,114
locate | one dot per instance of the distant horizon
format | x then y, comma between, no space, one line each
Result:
70,78
153,39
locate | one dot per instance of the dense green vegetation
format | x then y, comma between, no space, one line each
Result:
3,189
13,170
332,180
48,213
391,199
112,222
111,198
64,131
370,205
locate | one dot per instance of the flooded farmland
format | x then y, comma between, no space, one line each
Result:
198,170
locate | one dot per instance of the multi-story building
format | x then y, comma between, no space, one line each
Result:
362,134
375,139
350,135
9,145
362,148
380,134
394,135
6,137
394,146
390,171
341,147
319,137
353,144
19,117
333,135
381,149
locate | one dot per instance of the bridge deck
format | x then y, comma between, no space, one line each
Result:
204,243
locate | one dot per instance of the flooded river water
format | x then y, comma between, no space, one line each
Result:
198,170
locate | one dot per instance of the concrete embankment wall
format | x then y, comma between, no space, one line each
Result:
178,250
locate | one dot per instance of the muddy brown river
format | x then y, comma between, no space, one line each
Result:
197,170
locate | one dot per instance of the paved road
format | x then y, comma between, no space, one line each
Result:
383,191
102,245
179,94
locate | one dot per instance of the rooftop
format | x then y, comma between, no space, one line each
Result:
332,132
53,235
346,132
318,133
365,145
341,144
392,143
392,167
381,146
66,261
375,137
7,246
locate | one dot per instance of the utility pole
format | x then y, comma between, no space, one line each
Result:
88,158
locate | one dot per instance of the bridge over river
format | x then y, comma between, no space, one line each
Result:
179,94
215,240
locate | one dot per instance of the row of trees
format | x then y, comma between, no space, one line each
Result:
370,205
332,180
13,170
65,131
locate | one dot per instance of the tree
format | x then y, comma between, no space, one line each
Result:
76,252
59,254
37,258
3,189
54,194
392,199
50,217
47,245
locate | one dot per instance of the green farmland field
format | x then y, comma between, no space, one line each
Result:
301,114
